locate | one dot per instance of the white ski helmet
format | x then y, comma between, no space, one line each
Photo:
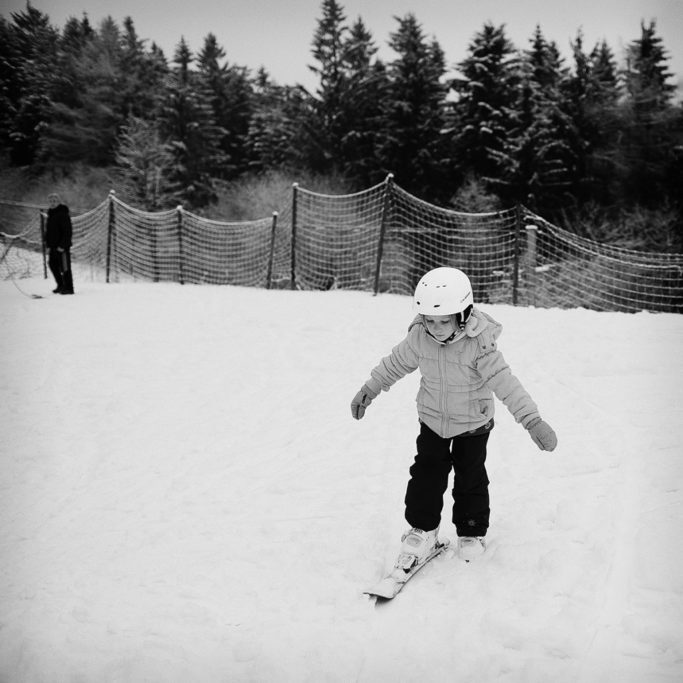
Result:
444,291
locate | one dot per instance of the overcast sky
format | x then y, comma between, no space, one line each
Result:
277,34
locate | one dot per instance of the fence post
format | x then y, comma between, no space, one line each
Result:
271,254
181,256
518,250
110,232
531,233
155,252
388,188
295,188
42,241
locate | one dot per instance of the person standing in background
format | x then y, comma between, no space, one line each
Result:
58,241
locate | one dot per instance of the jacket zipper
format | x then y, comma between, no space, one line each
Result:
444,387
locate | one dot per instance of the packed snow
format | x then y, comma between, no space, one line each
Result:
184,495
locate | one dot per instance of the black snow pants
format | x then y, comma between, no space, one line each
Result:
466,455
60,266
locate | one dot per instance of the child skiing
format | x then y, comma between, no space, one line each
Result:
454,346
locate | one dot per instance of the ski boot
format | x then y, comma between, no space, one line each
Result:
417,546
471,547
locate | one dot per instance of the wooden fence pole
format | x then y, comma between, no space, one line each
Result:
531,234
110,233
519,221
271,253
181,255
295,189
42,241
386,206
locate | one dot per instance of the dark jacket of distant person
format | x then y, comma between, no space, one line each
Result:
58,228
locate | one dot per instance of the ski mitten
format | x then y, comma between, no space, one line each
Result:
542,434
361,401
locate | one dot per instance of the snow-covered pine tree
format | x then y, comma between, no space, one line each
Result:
143,75
232,102
85,118
540,157
414,145
28,54
189,125
278,136
326,125
479,118
590,97
647,75
652,124
145,162
364,95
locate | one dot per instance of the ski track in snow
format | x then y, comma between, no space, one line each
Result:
185,497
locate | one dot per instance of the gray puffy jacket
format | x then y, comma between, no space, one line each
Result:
459,378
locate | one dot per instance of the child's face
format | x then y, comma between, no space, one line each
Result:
439,326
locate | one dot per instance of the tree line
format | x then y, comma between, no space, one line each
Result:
592,145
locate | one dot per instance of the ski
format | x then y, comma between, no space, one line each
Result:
392,584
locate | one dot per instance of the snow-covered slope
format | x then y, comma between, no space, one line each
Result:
185,497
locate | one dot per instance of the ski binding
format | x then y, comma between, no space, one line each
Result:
392,584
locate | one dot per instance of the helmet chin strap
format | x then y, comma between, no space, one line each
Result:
462,318
459,322
455,335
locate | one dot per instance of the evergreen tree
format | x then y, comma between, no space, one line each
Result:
76,35
651,124
143,75
188,124
264,126
363,105
231,99
145,162
541,158
86,117
480,119
10,85
344,124
591,95
327,126
28,59
545,62
277,137
414,147
603,75
646,75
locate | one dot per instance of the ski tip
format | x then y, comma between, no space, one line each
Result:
377,594
378,599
